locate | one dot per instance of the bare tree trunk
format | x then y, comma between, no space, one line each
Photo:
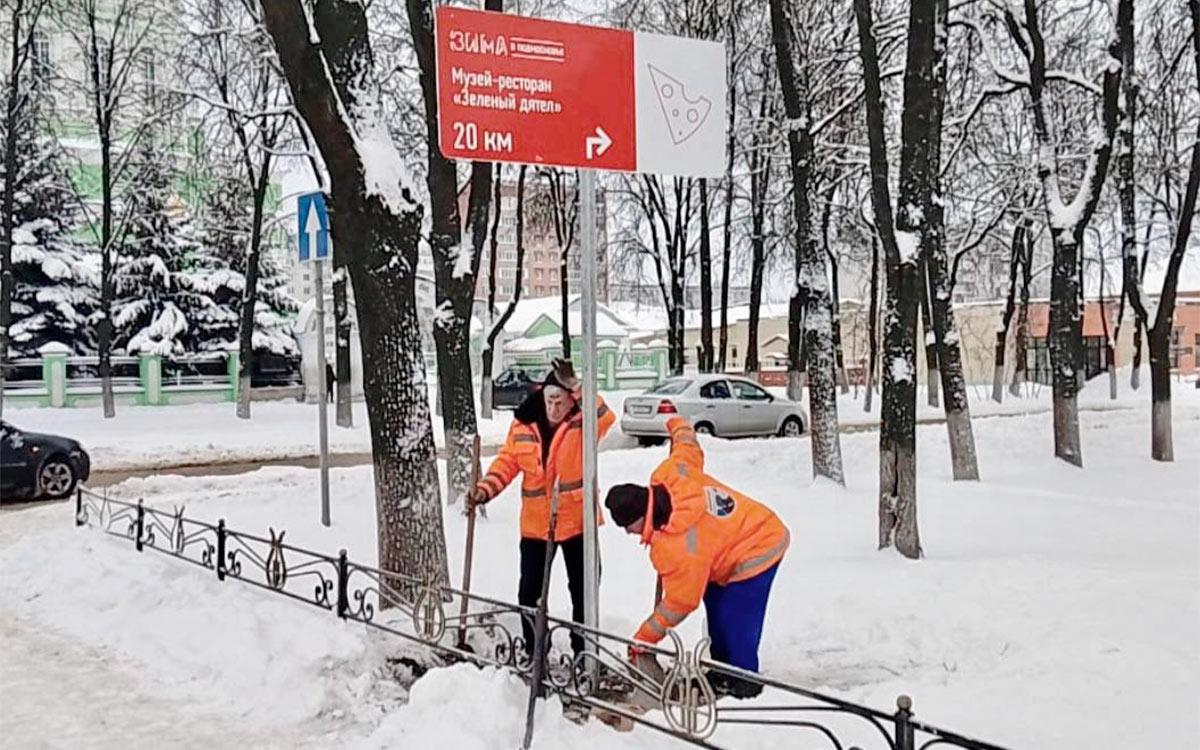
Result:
455,288
379,224
812,282
706,337
835,298
1021,345
1131,286
956,403
105,329
1162,447
932,377
488,354
250,291
565,301
872,324
341,323
12,116
760,169
1068,222
897,434
727,227
1014,267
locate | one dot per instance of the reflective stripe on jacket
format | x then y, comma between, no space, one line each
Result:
522,454
715,534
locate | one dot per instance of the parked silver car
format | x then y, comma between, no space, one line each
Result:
723,405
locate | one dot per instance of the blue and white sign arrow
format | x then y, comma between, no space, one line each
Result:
312,234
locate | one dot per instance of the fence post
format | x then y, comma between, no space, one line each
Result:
54,373
78,506
905,735
221,550
141,524
343,575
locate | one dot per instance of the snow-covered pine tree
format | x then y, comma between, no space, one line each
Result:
55,288
224,237
160,302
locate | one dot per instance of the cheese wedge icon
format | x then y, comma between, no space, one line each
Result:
684,116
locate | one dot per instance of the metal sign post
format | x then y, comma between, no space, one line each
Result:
535,91
313,245
587,316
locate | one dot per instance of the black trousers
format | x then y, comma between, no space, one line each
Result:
533,561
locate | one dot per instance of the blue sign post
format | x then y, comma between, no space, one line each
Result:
312,243
312,231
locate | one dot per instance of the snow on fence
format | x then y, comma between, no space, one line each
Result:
677,700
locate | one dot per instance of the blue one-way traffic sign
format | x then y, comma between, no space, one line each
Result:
313,227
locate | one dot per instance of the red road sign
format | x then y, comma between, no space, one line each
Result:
528,90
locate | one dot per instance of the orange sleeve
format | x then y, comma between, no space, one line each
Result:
684,446
684,579
605,418
504,467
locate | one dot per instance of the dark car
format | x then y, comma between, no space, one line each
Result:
512,385
34,465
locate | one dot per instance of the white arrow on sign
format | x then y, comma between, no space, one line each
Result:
312,228
597,144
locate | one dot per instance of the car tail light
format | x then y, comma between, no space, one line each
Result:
666,407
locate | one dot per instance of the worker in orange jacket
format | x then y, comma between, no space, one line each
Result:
708,542
545,446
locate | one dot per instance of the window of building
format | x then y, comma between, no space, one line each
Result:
1037,361
1177,348
103,62
149,76
40,56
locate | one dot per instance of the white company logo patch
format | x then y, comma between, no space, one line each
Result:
720,503
684,115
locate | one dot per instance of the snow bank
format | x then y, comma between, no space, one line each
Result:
1048,593
478,709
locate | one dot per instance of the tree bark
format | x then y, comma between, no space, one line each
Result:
727,226
1010,306
812,281
487,355
1021,345
379,224
706,337
872,325
955,401
760,168
932,376
250,290
897,433
1162,447
455,285
1068,222
341,327
12,116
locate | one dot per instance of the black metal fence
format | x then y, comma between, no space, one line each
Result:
667,689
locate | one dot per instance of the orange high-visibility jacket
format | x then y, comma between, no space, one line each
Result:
715,534
522,453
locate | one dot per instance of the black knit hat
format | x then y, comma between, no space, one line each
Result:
626,503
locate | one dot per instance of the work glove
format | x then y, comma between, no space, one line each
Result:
564,373
478,496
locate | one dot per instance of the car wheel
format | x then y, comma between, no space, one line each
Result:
650,442
704,428
56,478
792,427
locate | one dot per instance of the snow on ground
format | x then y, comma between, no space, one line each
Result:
1055,607
160,437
